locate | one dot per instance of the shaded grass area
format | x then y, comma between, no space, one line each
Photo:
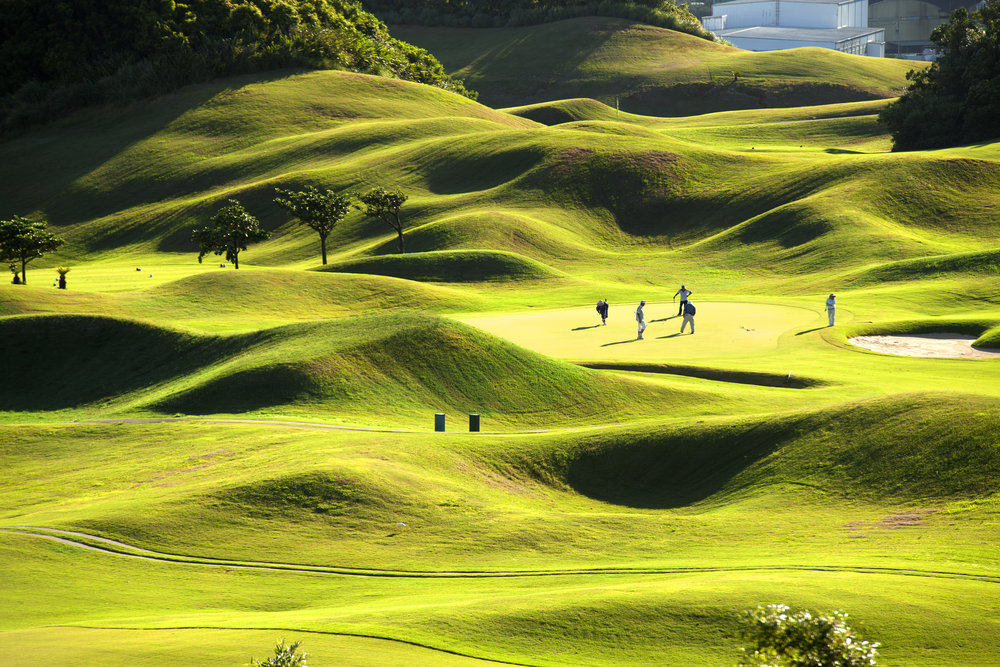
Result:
903,449
449,267
382,368
653,71
718,375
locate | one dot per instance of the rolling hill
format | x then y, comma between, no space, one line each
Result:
198,460
653,71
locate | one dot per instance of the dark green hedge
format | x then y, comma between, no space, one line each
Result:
957,99
515,13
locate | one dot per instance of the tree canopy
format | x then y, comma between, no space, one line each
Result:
514,13
58,56
22,240
957,99
234,229
319,210
385,205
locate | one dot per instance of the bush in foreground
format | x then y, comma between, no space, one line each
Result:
284,656
802,640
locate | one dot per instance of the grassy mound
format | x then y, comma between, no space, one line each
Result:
982,263
397,367
449,266
564,111
759,379
652,71
403,367
67,361
516,232
929,448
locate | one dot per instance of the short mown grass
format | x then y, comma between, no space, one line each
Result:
643,492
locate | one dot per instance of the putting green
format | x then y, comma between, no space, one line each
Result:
723,330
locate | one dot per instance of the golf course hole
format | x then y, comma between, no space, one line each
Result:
926,345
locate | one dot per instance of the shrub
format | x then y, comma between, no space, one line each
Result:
802,640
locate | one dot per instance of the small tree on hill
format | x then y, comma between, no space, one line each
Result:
234,229
22,240
384,205
320,211
802,640
284,656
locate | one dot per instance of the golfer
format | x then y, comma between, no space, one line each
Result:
831,307
688,316
684,293
640,317
602,308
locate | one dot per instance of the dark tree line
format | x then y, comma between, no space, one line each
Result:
59,56
957,99
515,13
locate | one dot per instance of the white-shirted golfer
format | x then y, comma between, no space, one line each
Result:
831,307
640,317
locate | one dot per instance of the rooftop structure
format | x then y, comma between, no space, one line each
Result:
772,25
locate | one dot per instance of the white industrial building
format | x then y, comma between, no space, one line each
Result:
772,25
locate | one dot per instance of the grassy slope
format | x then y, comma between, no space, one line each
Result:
756,210
654,71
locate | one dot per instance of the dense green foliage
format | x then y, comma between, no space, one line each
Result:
803,639
385,205
957,99
516,13
233,229
320,211
56,57
284,656
22,240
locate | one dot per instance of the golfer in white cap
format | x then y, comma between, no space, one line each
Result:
685,293
831,307
640,317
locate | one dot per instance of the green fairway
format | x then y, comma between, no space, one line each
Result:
198,460
725,331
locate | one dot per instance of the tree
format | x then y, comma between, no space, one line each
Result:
957,99
385,205
802,640
284,656
321,211
24,240
234,230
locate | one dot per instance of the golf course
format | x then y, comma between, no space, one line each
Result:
197,460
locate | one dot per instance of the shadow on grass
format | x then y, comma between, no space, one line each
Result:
585,328
667,470
802,333
621,342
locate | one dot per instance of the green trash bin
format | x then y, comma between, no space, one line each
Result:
439,422
474,423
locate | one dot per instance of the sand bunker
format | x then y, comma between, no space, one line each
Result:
926,345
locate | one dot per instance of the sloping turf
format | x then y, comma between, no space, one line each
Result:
651,70
603,517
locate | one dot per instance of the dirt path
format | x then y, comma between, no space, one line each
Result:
950,345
